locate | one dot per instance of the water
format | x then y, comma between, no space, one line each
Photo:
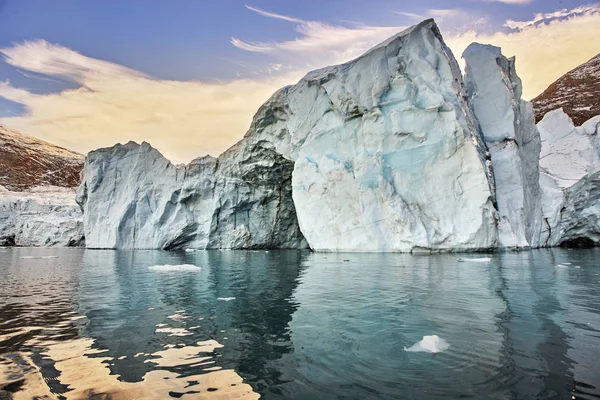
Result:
298,325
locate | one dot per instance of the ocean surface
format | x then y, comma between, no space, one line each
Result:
92,324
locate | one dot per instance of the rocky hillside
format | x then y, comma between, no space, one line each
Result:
577,92
27,162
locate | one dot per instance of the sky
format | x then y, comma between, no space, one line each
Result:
187,76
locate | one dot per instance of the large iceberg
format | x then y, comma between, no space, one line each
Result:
389,152
385,152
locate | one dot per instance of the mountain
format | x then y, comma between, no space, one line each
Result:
577,92
26,162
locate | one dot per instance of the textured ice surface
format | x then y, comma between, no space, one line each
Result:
41,216
507,126
387,154
570,180
133,197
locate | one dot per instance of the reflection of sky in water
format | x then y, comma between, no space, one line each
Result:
299,324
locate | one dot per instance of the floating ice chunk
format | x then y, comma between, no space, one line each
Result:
429,344
225,298
479,260
37,257
190,250
175,268
562,266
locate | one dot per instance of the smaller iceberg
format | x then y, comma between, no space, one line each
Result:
175,268
225,298
430,344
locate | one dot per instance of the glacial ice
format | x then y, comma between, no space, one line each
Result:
389,152
133,197
43,216
570,180
507,127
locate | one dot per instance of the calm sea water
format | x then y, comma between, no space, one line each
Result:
80,323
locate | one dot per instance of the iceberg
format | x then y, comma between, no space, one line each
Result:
390,152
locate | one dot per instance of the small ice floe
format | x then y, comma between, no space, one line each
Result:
478,260
190,250
161,325
225,298
37,257
562,266
430,344
175,268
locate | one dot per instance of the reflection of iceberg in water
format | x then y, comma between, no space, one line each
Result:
62,355
135,306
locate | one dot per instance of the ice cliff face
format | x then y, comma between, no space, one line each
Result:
388,152
570,177
132,197
385,153
42,216
507,127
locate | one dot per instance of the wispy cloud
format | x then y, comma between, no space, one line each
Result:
451,20
319,43
274,15
545,47
113,103
545,18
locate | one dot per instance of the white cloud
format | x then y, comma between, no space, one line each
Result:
544,18
319,44
544,51
274,15
183,119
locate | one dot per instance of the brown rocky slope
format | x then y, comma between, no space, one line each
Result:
577,93
26,162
